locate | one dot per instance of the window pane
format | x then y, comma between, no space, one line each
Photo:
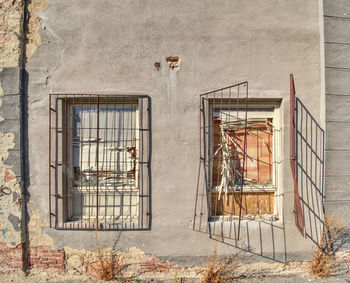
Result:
104,154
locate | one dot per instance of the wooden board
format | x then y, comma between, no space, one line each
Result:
252,203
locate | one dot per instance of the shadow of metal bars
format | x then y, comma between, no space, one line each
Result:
99,162
308,139
225,108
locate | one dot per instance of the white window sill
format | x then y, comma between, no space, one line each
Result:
258,188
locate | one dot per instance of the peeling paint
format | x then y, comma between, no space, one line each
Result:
14,220
10,232
174,62
35,226
11,43
11,15
33,39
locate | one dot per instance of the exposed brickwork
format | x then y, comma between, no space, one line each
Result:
11,258
153,264
39,258
46,258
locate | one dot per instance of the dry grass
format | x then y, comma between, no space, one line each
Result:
218,272
323,264
108,266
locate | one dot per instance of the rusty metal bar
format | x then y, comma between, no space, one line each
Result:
98,183
309,175
219,102
298,214
244,160
50,167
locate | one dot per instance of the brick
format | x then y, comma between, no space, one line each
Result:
60,260
56,266
50,262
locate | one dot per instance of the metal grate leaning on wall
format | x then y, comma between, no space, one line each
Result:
99,162
307,163
222,171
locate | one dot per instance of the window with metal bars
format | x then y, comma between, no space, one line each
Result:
240,149
99,162
232,126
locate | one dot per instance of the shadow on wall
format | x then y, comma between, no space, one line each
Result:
310,170
25,167
260,238
263,236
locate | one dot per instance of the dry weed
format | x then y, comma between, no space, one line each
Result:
108,266
323,264
218,272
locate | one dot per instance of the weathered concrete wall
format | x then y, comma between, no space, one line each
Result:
111,46
10,169
11,35
14,249
337,54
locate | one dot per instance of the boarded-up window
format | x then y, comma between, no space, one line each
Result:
227,161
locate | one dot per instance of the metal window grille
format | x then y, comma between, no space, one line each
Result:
99,163
298,212
228,106
307,143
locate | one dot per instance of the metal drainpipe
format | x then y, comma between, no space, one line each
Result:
23,89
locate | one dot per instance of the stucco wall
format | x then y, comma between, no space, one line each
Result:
10,166
111,46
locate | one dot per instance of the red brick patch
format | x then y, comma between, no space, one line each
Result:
39,258
11,258
9,176
43,257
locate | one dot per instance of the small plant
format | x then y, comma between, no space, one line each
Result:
323,264
217,272
107,267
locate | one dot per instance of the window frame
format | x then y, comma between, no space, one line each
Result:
276,153
61,167
93,189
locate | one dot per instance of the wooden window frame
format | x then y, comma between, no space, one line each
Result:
275,114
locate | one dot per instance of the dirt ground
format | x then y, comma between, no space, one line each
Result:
293,272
